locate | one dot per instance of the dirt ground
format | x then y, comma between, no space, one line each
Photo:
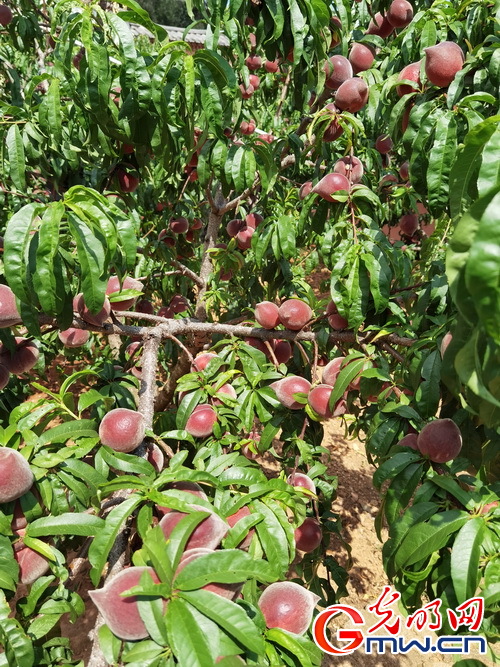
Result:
357,504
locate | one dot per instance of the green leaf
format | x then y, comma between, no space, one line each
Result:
489,172
66,524
296,645
465,555
428,392
463,176
16,157
230,616
230,566
393,466
188,642
18,647
69,431
482,271
425,538
105,538
441,157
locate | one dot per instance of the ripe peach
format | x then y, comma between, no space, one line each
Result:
271,66
350,167
330,184
122,429
447,338
282,351
228,390
442,62
400,13
246,92
196,224
253,219
332,370
257,343
337,322
127,180
380,26
4,377
145,306
166,312
97,319
489,507
32,565
200,423
16,477
383,144
305,189
22,359
308,535
267,314
244,237
5,15
300,479
9,315
294,314
178,303
155,457
318,400
207,534
404,171
411,73
121,614
128,283
361,57
74,337
254,81
253,62
440,440
235,226
408,224
333,131
202,360
288,606
409,440
352,95
337,69
287,387
179,225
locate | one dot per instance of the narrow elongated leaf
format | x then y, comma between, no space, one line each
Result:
17,160
425,538
229,567
66,524
230,616
465,555
188,642
441,157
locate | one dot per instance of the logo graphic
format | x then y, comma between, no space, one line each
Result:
429,617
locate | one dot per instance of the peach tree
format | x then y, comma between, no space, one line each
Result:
167,364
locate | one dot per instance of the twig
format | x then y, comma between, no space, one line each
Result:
394,353
187,272
182,346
